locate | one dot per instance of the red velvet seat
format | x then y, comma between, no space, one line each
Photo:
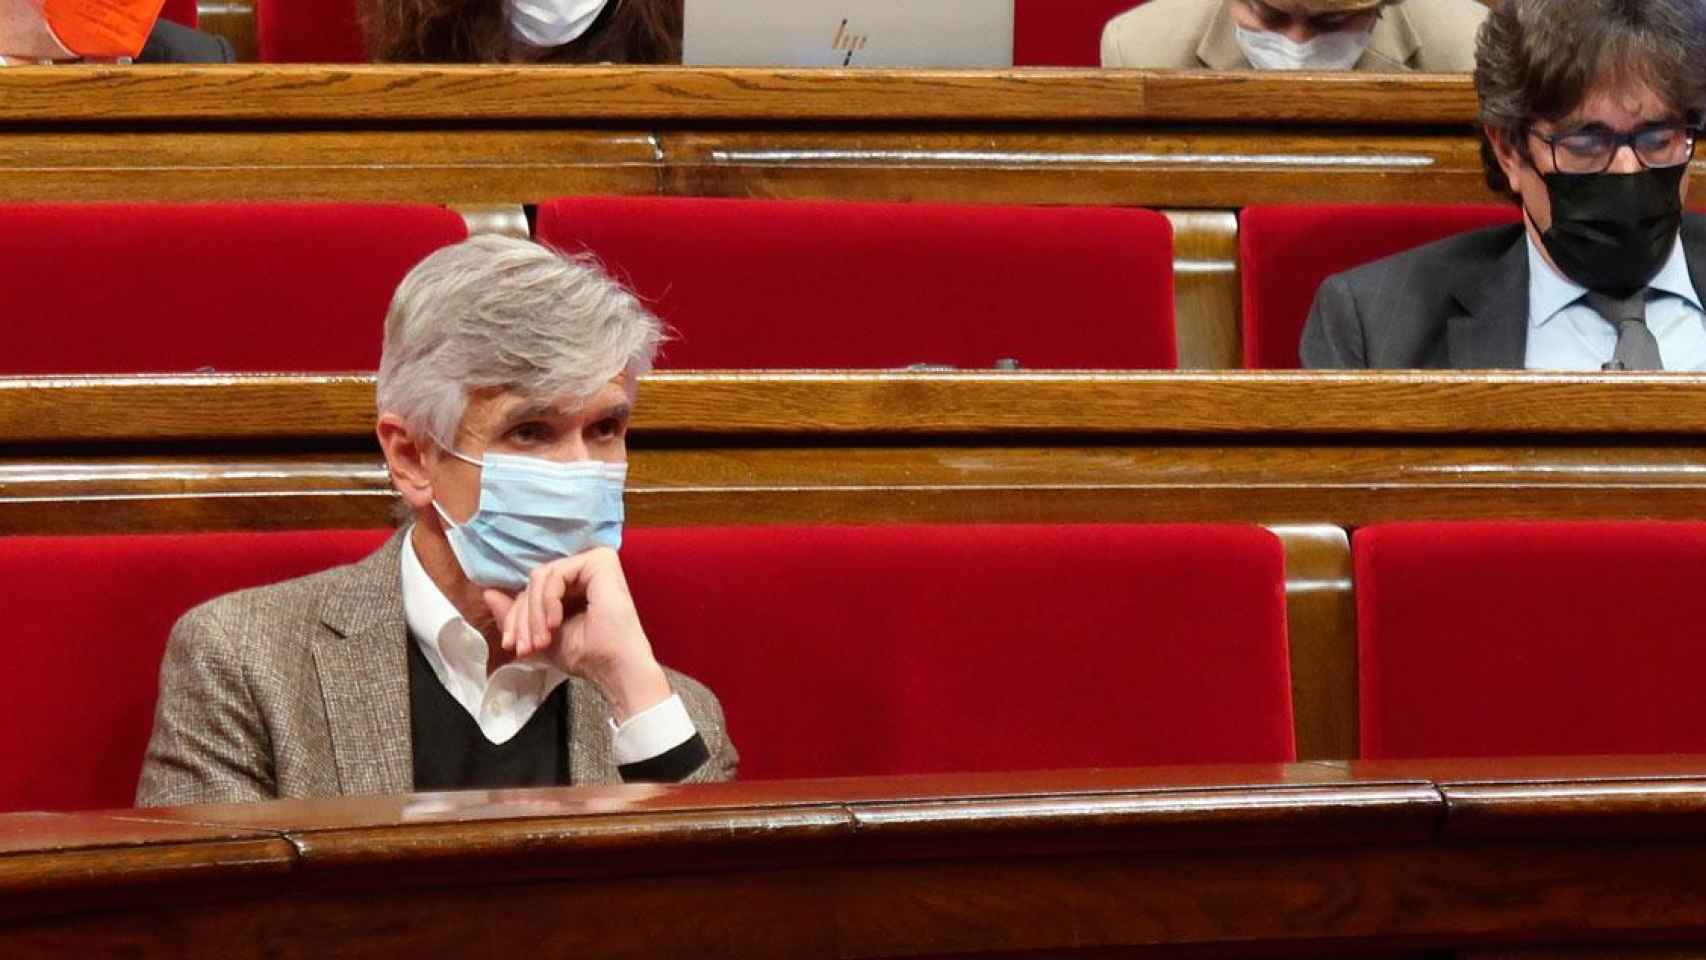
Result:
757,283
835,650
842,650
309,31
87,620
181,12
1492,639
180,287
1062,33
1286,251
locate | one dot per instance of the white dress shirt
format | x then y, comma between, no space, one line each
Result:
503,702
1567,334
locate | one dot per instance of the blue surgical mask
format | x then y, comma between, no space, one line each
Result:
532,512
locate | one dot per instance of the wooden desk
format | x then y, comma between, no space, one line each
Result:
1476,859
490,134
236,452
1197,145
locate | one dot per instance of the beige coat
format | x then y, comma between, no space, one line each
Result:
1430,36
301,689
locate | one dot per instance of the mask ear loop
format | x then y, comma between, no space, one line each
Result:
444,515
1527,155
447,448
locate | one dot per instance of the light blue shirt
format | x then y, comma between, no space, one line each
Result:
1566,334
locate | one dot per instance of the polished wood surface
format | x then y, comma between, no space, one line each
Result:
1300,860
906,404
55,864
1320,619
1208,297
288,93
489,134
253,161
210,452
499,134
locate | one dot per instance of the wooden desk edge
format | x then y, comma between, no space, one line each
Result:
900,404
651,94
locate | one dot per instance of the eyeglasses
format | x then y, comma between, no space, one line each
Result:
1656,145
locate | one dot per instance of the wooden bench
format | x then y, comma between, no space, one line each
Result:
1310,455
1199,146
1471,859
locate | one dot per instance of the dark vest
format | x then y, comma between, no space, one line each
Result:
452,754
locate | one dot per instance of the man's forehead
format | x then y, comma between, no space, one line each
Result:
505,403
1621,103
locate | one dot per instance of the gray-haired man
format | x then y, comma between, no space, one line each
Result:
492,642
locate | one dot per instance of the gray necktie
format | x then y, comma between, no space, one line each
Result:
1637,348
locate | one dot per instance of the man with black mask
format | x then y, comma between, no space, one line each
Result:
1590,110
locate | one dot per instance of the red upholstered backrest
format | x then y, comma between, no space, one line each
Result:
763,283
843,650
181,12
1489,639
86,623
1062,33
309,31
178,287
1285,252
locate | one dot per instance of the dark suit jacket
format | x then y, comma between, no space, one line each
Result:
1460,303
169,42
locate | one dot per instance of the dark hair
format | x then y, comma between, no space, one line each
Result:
1541,59
475,31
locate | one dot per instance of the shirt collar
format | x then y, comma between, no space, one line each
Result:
1673,277
425,607
1549,291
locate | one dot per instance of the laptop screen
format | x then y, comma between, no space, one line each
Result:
864,33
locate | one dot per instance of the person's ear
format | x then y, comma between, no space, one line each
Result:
406,459
1509,154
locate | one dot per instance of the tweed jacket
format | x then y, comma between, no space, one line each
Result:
301,689
1431,36
1459,304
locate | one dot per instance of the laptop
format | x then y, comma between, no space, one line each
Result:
848,33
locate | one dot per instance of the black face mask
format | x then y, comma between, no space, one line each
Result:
1613,232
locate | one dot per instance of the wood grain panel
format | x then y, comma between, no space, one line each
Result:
511,135
246,163
295,93
897,405
1306,484
1137,166
1208,297
1320,613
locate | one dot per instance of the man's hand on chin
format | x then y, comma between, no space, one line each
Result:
577,613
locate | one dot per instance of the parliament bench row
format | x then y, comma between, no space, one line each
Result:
917,648
746,284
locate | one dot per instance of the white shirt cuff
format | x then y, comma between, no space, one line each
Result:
652,732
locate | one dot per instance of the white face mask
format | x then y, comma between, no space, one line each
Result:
1267,50
551,23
